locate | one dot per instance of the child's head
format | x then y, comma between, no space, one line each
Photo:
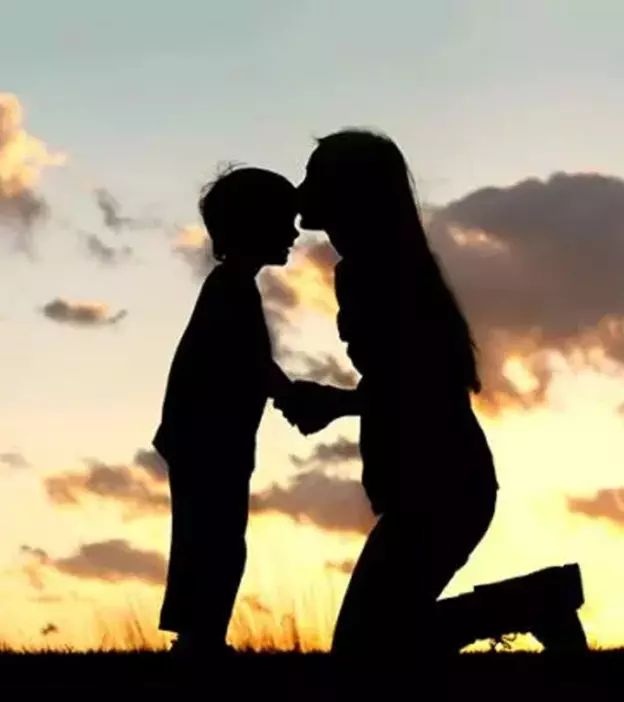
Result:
250,215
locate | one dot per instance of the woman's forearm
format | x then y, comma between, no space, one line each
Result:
337,402
312,406
348,402
279,382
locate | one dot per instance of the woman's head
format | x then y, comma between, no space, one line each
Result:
250,215
356,180
359,189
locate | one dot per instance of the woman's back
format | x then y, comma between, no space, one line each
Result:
418,429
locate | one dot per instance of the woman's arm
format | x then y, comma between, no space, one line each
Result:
312,406
341,402
280,384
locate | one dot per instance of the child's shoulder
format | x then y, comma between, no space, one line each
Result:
221,286
213,291
217,281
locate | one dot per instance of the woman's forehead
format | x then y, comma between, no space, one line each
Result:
313,159
322,159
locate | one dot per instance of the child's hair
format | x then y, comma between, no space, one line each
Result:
237,203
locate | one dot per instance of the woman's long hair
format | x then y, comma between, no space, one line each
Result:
373,192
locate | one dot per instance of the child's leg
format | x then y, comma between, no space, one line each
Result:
208,552
221,558
175,614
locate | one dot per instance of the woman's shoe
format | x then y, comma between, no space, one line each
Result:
543,603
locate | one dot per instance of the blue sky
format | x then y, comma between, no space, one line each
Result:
149,95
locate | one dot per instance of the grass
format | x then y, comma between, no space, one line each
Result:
130,657
254,627
302,677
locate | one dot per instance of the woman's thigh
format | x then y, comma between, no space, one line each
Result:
359,621
456,530
386,596
405,565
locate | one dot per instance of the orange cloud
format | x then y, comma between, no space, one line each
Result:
190,237
342,450
117,483
81,313
330,502
344,567
309,278
605,504
22,160
22,156
192,245
114,560
537,265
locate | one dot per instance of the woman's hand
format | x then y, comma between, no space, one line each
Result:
311,407
305,406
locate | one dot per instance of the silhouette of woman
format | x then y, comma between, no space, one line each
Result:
427,468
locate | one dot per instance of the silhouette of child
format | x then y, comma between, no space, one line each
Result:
220,379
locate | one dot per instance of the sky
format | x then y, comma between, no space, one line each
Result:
114,115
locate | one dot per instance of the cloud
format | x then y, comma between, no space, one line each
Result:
117,483
339,451
111,561
37,558
306,282
152,462
192,245
37,553
537,267
323,256
105,254
22,160
326,369
277,293
278,299
345,567
332,503
110,209
606,504
82,314
14,459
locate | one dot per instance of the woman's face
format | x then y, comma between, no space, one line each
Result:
312,194
321,203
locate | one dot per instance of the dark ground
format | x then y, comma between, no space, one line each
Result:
278,677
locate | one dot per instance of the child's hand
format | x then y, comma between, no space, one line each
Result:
305,406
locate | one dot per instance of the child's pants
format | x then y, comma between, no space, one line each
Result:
209,513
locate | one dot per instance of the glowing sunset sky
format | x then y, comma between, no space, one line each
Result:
113,115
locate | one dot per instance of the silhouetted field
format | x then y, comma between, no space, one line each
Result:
314,676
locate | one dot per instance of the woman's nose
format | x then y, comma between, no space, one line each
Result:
300,195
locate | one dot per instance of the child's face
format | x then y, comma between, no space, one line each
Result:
277,232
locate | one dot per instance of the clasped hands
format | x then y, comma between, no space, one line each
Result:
309,406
